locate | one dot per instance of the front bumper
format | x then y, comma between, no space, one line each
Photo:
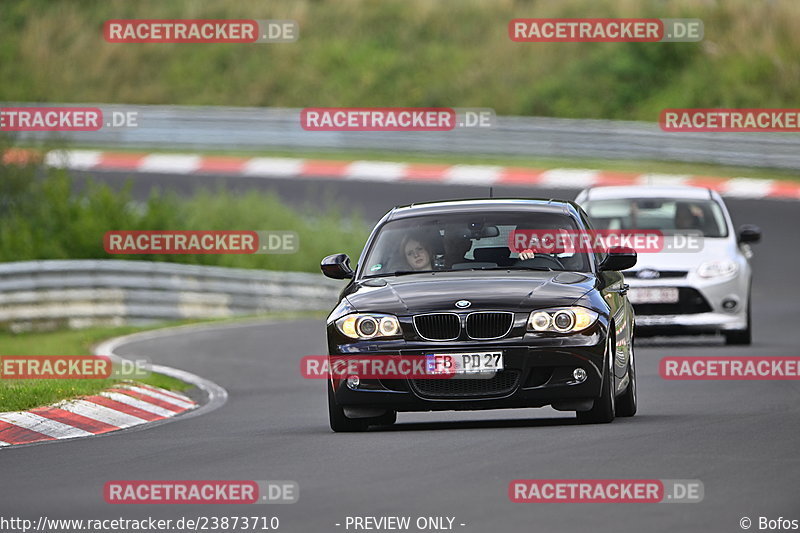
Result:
706,313
695,323
537,372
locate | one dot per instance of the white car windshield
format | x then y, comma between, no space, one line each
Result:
668,215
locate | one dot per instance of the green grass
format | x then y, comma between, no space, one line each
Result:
407,53
19,395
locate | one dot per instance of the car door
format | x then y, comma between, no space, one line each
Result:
614,291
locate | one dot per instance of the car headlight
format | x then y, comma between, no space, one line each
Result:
716,269
364,326
562,319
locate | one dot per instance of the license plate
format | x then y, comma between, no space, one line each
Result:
464,363
653,296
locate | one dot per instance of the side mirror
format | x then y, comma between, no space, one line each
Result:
619,258
749,233
337,266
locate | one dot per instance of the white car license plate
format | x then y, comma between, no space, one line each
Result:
464,363
653,296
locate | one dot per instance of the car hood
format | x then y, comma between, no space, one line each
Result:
422,293
713,249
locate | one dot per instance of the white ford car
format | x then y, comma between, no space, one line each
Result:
689,289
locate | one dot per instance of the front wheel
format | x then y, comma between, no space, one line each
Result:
602,412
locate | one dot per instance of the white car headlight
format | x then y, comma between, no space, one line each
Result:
717,269
364,326
562,319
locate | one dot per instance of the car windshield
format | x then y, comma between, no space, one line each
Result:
467,242
668,215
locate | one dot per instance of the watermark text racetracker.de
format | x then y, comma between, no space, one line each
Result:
200,31
606,491
605,30
730,120
562,240
201,242
200,492
380,366
730,368
395,118
72,367
65,119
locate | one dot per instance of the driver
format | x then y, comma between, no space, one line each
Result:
528,253
687,216
563,257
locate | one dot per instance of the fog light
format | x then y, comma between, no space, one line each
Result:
579,374
352,382
729,304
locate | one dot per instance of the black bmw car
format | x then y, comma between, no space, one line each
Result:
446,281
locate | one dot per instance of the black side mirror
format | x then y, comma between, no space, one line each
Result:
749,233
619,258
337,266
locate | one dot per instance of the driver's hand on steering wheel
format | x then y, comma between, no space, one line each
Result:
526,254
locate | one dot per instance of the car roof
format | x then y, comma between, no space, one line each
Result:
646,191
539,205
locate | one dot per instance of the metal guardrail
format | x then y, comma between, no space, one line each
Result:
214,128
82,293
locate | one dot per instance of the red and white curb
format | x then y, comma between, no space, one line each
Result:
129,406
382,171
122,406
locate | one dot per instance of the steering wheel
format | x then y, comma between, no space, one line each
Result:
541,261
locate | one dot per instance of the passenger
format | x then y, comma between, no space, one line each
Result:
416,253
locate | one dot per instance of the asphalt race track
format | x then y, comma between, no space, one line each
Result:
740,438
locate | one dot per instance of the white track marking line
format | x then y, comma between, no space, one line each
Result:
273,167
472,174
375,171
662,180
76,159
170,163
568,178
747,188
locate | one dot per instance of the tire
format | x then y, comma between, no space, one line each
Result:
602,412
741,337
338,421
627,403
